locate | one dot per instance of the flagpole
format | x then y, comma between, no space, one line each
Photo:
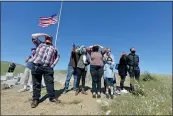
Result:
58,23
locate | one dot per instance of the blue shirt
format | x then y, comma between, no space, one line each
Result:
29,65
108,71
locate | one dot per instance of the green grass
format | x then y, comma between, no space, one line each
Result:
4,68
156,100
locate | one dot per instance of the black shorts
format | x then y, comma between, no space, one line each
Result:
109,81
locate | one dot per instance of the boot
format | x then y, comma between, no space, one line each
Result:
55,100
77,92
112,96
84,92
107,95
34,103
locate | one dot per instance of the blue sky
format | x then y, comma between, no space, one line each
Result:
147,26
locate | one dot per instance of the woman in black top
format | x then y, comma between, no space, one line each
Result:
122,69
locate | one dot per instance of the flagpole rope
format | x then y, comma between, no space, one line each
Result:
58,23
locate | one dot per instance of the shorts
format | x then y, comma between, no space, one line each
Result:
109,81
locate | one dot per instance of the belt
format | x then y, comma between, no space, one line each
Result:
37,64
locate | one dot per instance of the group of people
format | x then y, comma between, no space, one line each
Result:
102,64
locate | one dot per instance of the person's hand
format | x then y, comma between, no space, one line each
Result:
73,44
96,45
26,60
36,35
127,67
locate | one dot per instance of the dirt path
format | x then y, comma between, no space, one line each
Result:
14,103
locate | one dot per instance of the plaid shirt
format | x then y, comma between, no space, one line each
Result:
46,55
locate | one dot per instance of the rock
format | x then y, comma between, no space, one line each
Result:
3,78
104,103
9,76
108,112
10,83
99,101
4,86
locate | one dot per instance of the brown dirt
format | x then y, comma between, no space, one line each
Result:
14,103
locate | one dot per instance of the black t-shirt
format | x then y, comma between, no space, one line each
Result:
74,58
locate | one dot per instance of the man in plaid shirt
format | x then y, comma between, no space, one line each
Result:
45,58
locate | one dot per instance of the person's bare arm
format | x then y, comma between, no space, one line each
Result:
57,57
100,46
37,35
113,60
89,49
74,46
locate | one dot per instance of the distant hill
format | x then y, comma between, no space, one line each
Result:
5,64
20,69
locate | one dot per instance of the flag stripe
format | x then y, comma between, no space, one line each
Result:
46,21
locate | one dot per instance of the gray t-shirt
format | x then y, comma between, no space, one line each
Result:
84,64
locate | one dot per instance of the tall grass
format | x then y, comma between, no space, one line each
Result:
155,100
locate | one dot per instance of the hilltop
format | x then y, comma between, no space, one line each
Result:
153,97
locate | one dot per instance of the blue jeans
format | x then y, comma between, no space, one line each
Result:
70,72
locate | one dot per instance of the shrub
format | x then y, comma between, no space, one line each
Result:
148,77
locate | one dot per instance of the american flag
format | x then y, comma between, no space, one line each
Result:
46,21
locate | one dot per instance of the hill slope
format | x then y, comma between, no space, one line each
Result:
157,99
20,68
4,67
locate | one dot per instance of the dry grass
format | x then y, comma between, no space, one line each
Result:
154,98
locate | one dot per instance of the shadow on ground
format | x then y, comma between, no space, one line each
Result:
57,95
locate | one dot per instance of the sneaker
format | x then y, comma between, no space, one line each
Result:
98,95
55,100
84,92
77,92
107,95
31,90
94,95
34,103
23,90
117,92
65,91
74,89
124,91
112,96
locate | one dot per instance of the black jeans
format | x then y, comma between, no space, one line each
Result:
37,72
122,82
80,73
96,74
